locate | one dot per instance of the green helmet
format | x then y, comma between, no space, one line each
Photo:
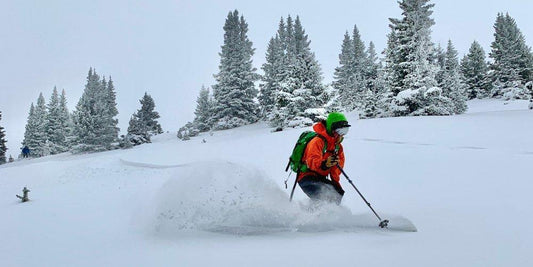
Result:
336,120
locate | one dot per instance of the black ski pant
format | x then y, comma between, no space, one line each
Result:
318,187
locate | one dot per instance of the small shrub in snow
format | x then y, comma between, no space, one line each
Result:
187,131
316,114
130,140
24,197
513,93
436,104
229,123
298,122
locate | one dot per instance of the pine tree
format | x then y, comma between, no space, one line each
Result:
112,130
311,76
3,147
31,129
372,69
94,123
87,118
235,91
374,84
439,60
273,69
299,77
203,111
410,63
35,136
57,123
148,106
143,123
474,71
345,75
452,84
360,55
513,62
65,119
392,75
370,105
356,72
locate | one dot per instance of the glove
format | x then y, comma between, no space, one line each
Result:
329,162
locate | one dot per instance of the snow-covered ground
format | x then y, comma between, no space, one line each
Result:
464,181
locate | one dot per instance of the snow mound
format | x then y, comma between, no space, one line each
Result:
233,199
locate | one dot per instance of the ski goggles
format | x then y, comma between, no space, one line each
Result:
342,131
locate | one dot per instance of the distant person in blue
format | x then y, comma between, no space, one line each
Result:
25,152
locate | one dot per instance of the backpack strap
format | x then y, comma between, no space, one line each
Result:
325,148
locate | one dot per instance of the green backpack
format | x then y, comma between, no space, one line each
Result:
295,160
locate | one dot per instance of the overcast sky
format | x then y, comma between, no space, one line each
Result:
170,48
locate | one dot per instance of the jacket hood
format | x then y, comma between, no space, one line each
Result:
320,128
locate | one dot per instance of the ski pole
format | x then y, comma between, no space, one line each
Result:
383,223
293,187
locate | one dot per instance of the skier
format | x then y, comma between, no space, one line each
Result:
25,152
314,182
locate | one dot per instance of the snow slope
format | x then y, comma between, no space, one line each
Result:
464,181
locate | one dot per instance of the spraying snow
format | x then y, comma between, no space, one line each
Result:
231,198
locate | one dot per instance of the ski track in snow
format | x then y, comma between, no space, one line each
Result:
466,147
150,165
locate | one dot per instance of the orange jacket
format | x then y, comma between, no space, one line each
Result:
314,158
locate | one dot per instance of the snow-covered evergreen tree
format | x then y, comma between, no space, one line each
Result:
234,91
57,123
273,69
474,72
137,132
439,60
143,123
111,111
299,77
66,121
370,108
150,115
94,123
343,76
35,136
372,104
357,72
452,84
203,116
30,128
372,69
360,54
203,112
512,65
3,147
411,70
311,76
